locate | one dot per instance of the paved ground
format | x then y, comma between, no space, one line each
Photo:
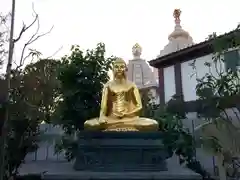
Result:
63,170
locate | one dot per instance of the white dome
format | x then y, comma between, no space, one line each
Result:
178,39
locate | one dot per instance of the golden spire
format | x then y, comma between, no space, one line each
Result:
137,46
176,15
137,51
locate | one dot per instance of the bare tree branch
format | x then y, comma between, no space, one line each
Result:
32,39
59,49
4,37
25,28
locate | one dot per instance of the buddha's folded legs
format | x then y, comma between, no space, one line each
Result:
146,124
126,124
134,124
92,124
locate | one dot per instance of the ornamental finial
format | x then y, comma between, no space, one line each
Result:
137,51
176,15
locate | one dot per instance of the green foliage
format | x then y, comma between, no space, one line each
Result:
3,37
33,96
146,103
180,141
32,99
25,107
22,129
176,106
42,86
219,89
223,43
82,77
177,139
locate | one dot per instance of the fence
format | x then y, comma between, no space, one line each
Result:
46,150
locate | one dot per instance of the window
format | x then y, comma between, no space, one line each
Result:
138,81
137,75
232,60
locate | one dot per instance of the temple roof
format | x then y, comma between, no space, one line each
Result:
179,38
191,52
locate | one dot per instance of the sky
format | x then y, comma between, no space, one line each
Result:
119,23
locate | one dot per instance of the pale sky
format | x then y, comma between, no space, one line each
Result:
121,23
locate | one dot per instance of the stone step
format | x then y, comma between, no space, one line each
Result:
121,176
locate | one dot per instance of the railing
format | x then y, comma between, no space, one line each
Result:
46,150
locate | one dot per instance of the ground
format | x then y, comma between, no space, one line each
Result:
63,169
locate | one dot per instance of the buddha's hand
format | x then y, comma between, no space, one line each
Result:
118,114
102,120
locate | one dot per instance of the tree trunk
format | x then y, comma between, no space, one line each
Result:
221,167
7,79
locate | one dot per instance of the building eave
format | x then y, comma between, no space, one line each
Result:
149,87
189,53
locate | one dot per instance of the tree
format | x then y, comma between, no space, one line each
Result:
147,104
82,77
23,127
42,87
3,36
219,91
4,127
11,98
32,97
177,139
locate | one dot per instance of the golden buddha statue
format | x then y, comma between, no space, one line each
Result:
120,105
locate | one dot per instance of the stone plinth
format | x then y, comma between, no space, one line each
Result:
120,151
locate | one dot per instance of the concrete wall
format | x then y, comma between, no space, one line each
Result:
190,75
189,82
169,83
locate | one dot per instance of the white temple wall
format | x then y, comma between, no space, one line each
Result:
191,121
169,83
188,81
154,94
190,75
206,159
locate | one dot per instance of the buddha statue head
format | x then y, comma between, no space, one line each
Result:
119,69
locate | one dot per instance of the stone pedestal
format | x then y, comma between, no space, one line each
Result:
120,151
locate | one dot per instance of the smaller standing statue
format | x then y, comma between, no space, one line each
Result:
120,105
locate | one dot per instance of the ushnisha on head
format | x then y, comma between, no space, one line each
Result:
119,68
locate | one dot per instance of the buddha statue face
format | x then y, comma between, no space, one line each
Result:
119,68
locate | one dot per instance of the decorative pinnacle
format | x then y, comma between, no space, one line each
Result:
137,51
176,15
136,46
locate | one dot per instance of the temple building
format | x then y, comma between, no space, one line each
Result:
178,78
142,74
173,64
178,39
